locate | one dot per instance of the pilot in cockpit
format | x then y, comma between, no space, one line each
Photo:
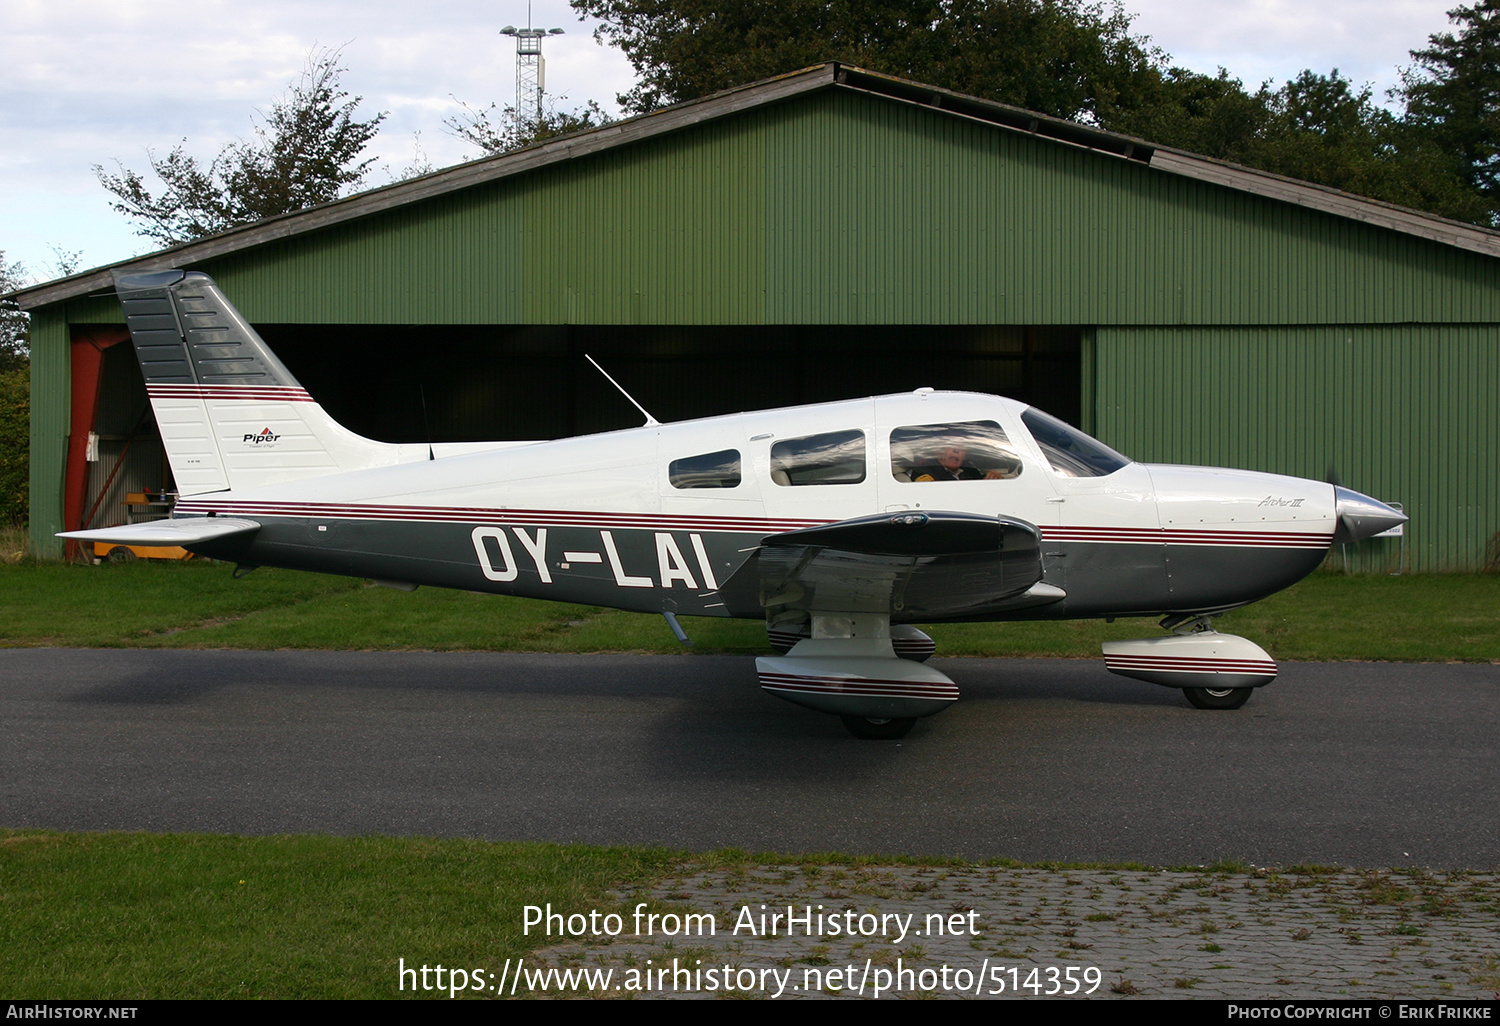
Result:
951,463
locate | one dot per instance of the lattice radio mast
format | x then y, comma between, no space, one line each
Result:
531,72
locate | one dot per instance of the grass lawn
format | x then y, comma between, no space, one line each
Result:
198,605
130,916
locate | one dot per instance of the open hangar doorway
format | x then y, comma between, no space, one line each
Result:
127,471
468,383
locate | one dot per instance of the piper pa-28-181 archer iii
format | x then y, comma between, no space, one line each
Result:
841,524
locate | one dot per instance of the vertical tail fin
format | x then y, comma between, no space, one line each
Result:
231,415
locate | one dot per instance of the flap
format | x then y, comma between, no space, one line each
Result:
911,565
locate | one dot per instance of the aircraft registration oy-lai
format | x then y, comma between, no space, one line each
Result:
841,524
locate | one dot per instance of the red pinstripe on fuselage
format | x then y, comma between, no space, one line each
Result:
748,525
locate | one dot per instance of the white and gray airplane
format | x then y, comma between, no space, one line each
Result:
840,524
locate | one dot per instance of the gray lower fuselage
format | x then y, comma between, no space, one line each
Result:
654,570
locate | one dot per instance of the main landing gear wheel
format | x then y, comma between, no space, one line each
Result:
867,729
1218,698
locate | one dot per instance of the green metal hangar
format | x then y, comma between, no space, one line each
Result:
835,233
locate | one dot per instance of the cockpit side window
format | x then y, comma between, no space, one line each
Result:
837,457
1071,452
711,470
975,450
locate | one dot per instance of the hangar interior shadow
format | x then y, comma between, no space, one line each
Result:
475,383
489,382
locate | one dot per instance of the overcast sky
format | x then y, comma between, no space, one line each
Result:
88,82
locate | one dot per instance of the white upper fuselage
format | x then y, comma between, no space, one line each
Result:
627,472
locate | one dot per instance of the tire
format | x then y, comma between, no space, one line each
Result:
121,554
1218,698
867,729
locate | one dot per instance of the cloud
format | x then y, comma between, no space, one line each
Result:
1260,40
89,82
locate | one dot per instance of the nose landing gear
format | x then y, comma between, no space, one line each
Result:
1217,698
1214,671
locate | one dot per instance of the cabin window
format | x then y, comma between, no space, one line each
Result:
975,450
711,470
837,457
1071,452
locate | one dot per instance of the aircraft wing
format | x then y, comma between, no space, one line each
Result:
910,565
185,532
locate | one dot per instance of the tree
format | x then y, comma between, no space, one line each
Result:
15,445
15,400
305,152
1322,129
1316,128
14,323
497,130
1068,58
1208,114
1452,96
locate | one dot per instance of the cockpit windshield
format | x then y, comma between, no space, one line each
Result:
1071,452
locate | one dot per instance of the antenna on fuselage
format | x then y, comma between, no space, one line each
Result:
650,420
426,426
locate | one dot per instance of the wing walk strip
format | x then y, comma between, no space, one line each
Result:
1188,664
253,393
752,525
862,686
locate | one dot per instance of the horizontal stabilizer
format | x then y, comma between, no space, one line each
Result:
185,532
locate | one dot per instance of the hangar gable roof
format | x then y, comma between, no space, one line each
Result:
820,77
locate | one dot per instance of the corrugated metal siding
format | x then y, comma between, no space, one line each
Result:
668,232
96,309
50,410
454,260
139,471
885,213
844,208
1402,412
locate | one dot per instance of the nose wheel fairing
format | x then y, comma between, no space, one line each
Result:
1206,659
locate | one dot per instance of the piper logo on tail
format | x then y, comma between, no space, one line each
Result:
262,438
